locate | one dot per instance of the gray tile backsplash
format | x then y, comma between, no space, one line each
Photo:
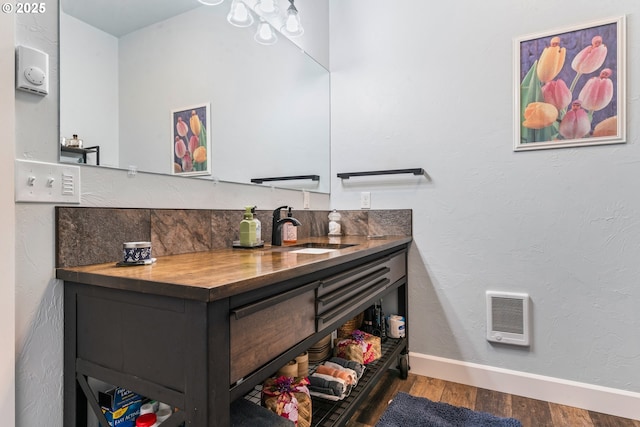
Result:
95,235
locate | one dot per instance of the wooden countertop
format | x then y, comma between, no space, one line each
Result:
212,275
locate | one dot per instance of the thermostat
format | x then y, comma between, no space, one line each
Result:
32,70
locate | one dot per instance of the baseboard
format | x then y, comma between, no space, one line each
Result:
606,400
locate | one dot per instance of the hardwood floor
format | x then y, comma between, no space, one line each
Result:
531,412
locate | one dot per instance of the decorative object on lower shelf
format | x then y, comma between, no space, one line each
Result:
289,398
359,346
289,370
350,325
303,365
320,351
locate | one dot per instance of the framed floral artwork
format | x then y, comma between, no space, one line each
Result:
569,87
191,140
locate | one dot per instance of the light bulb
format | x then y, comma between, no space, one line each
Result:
211,2
266,8
292,26
265,34
239,15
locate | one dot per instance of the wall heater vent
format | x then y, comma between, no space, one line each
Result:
508,318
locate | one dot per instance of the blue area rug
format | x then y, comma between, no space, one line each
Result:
409,411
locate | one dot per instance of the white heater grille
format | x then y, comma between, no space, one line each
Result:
508,318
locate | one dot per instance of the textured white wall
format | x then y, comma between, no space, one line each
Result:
424,84
7,225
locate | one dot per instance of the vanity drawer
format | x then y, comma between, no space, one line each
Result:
263,330
338,294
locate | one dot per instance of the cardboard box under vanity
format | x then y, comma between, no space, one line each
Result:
120,406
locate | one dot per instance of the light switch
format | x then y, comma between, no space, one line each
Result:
41,182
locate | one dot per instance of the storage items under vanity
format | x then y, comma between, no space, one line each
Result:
360,347
350,325
335,379
124,408
320,351
299,367
289,398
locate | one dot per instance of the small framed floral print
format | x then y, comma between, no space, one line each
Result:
191,141
569,87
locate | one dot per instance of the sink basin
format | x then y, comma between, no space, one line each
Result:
312,248
312,251
319,245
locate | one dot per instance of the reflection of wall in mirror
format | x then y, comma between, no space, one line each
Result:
89,82
256,101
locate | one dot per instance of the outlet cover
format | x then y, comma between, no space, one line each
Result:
365,200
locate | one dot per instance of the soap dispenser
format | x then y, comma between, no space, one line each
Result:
247,228
334,223
258,226
289,231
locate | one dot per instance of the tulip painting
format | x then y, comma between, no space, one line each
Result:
191,141
571,87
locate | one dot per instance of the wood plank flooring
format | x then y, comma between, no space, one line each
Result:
531,412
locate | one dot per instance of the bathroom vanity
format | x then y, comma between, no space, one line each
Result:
199,330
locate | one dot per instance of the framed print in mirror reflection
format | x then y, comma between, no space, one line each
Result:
569,87
191,140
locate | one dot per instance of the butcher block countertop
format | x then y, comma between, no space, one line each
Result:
216,274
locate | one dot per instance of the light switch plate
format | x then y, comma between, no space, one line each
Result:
40,182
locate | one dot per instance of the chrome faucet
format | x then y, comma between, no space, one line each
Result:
276,227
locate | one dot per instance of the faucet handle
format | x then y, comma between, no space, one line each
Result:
276,211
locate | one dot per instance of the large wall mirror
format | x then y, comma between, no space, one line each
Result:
124,86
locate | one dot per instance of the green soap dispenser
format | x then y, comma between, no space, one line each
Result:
247,228
258,226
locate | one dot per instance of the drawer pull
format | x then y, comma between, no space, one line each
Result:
248,309
344,276
327,316
345,290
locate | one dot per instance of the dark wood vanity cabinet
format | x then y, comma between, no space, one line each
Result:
199,356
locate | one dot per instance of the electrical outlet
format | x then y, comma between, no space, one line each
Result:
365,200
41,182
306,200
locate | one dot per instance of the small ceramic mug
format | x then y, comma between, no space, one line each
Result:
133,252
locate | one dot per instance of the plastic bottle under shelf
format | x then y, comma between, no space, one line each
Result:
147,420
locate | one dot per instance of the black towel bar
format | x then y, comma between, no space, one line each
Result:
416,171
286,178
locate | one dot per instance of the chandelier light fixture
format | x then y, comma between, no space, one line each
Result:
240,15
